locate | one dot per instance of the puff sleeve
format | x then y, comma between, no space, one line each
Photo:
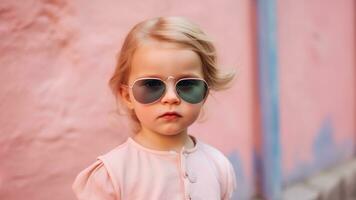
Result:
94,183
230,181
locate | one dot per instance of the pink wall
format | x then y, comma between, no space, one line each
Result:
57,110
317,84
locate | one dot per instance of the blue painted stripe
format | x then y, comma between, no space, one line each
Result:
268,96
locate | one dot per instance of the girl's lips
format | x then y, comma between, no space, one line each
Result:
170,115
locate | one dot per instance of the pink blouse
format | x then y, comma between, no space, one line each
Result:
134,172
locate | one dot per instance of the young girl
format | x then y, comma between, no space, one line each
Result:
165,70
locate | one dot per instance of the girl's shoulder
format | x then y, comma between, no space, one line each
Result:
214,154
117,152
225,169
96,181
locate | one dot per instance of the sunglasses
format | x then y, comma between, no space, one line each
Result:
150,90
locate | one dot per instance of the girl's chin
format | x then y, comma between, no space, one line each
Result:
174,132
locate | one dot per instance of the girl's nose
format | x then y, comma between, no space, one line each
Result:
170,95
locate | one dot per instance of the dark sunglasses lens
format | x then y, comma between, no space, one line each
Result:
192,90
148,90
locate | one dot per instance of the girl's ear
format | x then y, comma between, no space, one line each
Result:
124,94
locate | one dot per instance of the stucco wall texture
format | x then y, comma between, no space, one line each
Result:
317,74
57,112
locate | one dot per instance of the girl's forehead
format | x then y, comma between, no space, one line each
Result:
163,60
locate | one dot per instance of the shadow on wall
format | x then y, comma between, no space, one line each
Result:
326,153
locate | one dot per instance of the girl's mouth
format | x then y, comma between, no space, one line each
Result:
170,115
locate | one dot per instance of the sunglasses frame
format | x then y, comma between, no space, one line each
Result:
165,85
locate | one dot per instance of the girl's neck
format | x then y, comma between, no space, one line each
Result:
162,142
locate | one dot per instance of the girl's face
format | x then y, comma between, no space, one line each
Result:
164,60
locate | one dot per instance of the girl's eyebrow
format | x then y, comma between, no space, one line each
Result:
162,77
188,76
148,76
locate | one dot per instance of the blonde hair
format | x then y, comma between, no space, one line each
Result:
175,30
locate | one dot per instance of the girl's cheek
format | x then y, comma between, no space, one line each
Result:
194,111
145,113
